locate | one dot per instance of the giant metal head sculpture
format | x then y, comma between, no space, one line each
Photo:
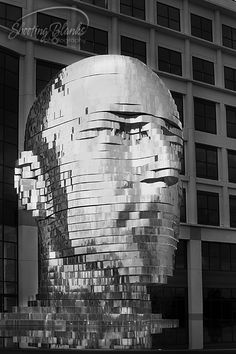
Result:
100,172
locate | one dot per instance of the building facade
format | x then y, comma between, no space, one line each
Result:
191,46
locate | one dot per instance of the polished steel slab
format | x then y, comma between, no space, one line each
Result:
100,173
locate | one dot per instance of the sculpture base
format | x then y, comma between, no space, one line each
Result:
63,328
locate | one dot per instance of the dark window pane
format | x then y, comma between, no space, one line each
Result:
10,270
10,213
208,208
45,71
229,36
232,166
168,16
135,8
203,70
230,78
206,161
9,250
9,14
95,40
205,115
47,23
169,61
133,48
231,121
11,135
10,288
10,155
201,27
183,207
232,207
9,302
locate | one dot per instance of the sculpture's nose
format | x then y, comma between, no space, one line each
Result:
163,169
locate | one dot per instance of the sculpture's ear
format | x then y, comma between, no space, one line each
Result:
30,184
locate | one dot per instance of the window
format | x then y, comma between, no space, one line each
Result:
183,207
100,3
217,256
134,48
45,71
49,24
135,8
171,302
169,61
219,314
203,70
9,15
168,16
205,115
206,161
232,208
232,166
230,78
201,27
182,159
208,208
229,36
231,121
178,98
95,40
9,97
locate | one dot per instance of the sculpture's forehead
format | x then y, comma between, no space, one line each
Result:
118,83
109,83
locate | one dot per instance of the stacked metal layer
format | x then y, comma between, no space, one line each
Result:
100,172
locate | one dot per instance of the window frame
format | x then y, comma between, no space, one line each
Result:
85,43
8,199
207,164
132,53
52,67
231,167
231,38
7,21
202,21
168,18
62,40
205,117
232,210
133,9
171,62
230,73
200,218
202,75
230,126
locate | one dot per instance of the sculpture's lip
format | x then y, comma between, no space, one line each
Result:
168,175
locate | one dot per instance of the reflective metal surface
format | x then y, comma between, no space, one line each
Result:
100,172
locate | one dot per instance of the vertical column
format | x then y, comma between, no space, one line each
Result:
217,28
190,158
114,5
187,59
115,42
152,60
73,40
219,69
195,300
225,212
27,231
185,17
151,11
